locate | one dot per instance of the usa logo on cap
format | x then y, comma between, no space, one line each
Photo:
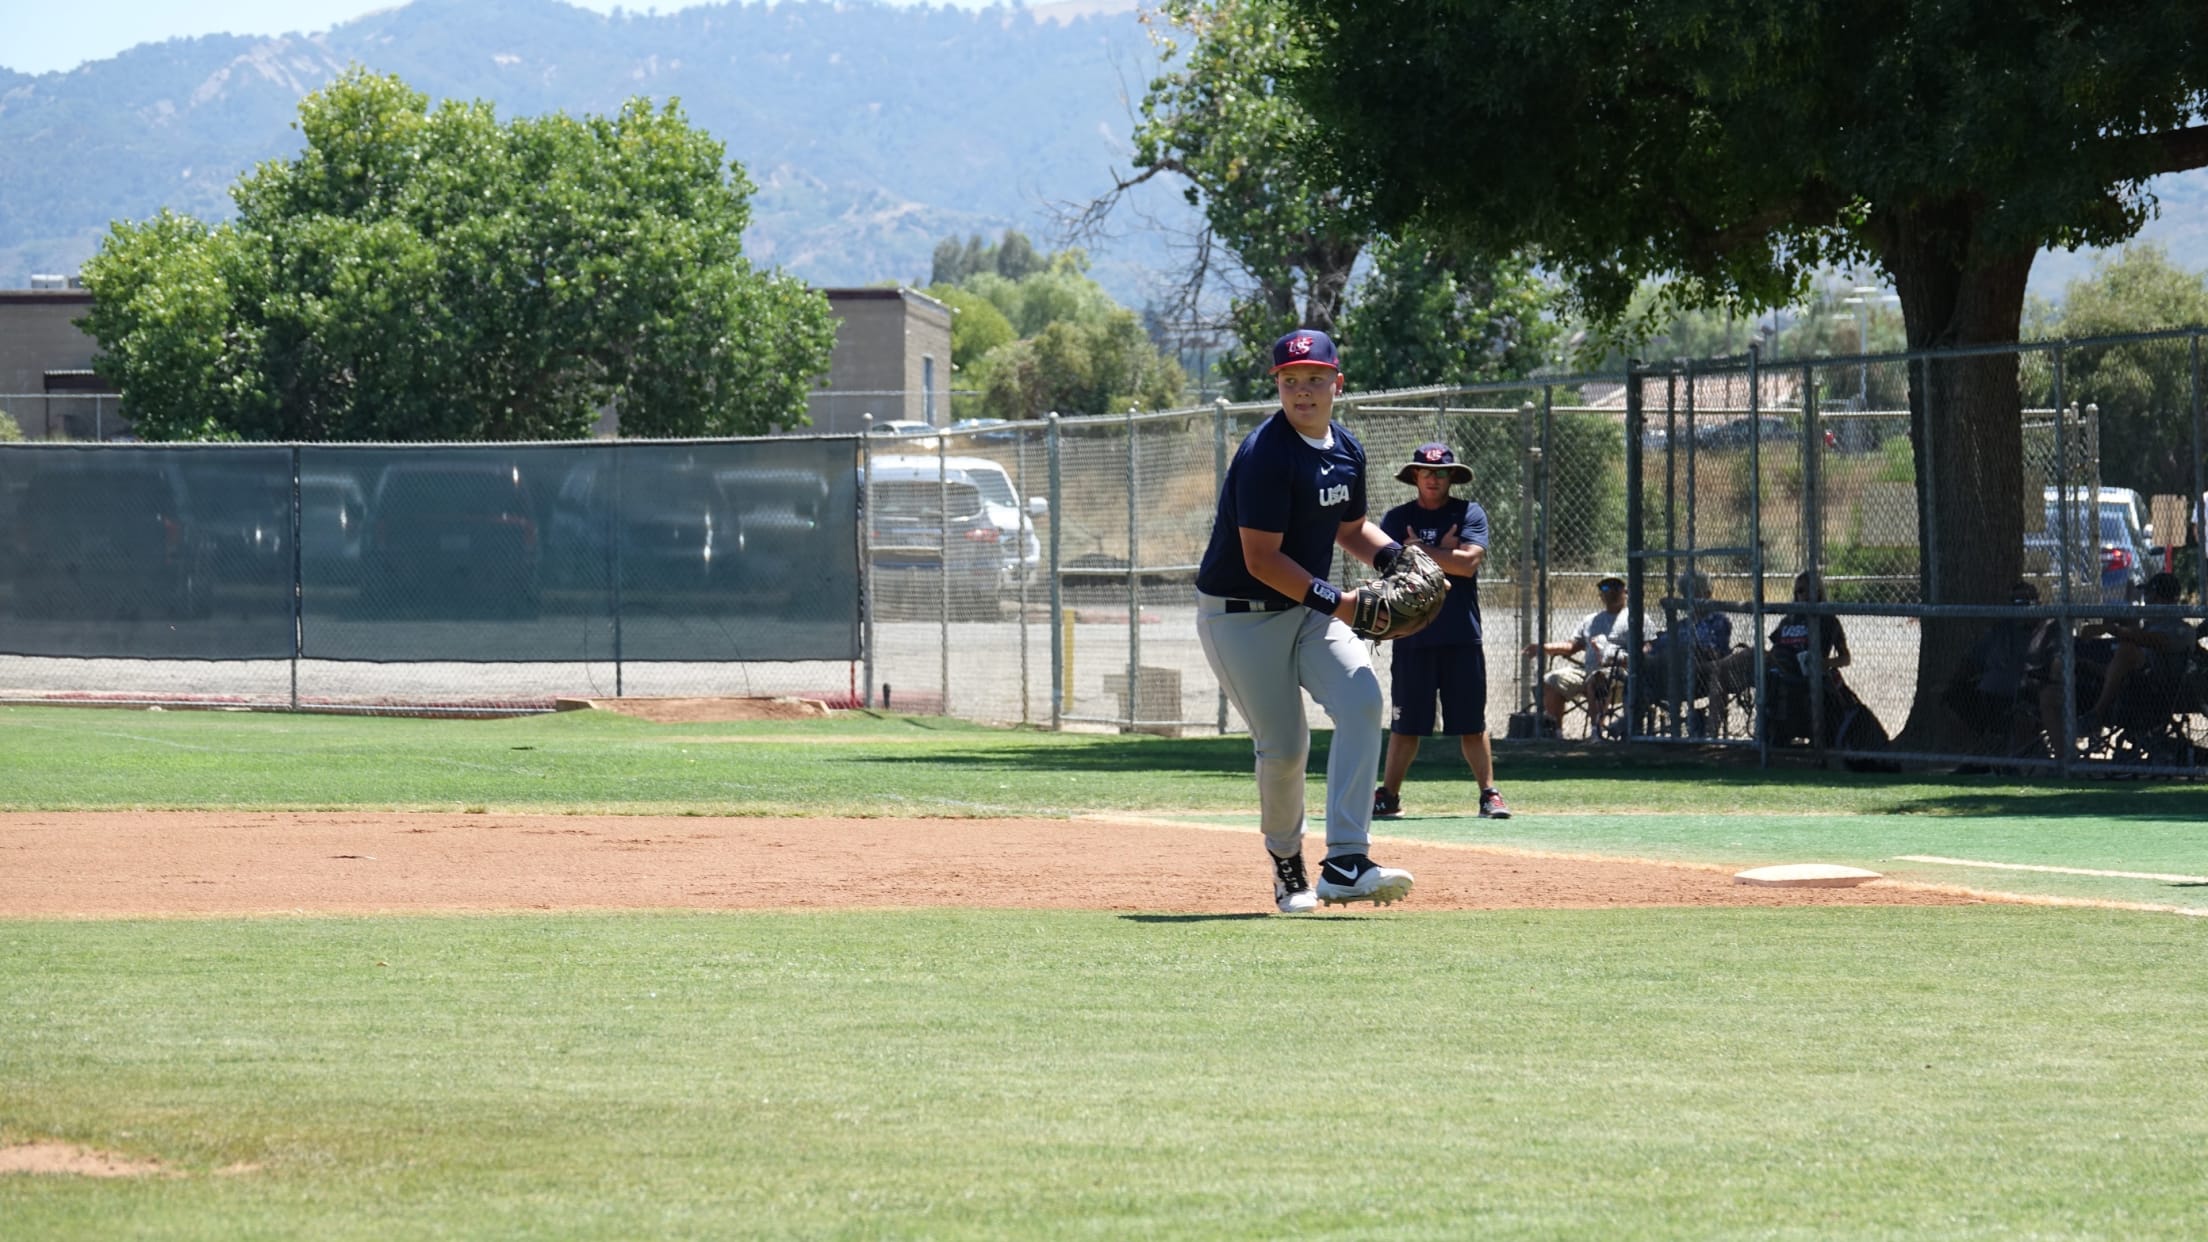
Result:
1305,346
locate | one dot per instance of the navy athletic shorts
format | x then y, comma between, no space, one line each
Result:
1454,675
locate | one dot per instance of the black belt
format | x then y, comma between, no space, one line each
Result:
1258,605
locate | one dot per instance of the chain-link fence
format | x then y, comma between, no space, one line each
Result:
307,570
1043,572
1976,597
83,417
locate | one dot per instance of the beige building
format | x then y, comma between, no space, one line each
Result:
892,359
46,380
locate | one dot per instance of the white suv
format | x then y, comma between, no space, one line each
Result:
1014,520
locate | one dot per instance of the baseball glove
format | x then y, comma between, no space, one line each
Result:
1403,601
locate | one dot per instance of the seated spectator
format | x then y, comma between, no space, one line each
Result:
1789,662
1988,687
2160,644
1694,663
2109,659
1600,643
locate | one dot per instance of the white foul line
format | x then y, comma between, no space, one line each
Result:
2001,866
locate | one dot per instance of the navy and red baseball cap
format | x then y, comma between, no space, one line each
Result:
1434,456
1305,347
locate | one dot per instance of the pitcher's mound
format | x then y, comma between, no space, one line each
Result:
695,710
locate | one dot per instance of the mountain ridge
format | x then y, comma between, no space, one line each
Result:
865,158
871,131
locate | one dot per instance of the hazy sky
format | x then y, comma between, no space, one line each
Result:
40,36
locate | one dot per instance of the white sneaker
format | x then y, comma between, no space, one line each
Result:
1291,888
1354,877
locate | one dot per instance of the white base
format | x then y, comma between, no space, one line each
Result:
1806,875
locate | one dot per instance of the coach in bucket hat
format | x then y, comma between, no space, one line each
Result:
1434,456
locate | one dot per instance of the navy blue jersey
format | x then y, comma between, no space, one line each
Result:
1790,644
1278,482
1410,522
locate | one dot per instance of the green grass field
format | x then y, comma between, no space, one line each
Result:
1990,1071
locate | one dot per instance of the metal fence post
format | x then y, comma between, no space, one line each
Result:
1055,470
1636,535
1529,671
298,586
943,579
868,604
1756,567
1532,466
1134,593
2198,500
613,550
1218,482
2065,567
1813,544
1019,555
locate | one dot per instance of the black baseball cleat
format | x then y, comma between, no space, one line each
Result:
1291,887
1354,877
1386,805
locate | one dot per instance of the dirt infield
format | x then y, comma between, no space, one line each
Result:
112,865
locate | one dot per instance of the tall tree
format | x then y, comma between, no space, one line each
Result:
1425,316
1217,118
2144,388
1738,148
436,274
1049,338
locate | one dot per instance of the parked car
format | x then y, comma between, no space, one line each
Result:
108,535
333,529
925,525
1020,551
453,532
987,430
910,433
677,535
242,500
2111,532
784,529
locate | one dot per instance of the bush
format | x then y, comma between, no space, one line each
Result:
1895,569
10,430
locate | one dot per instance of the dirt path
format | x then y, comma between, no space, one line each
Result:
110,865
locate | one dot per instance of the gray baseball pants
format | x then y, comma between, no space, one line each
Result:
1265,661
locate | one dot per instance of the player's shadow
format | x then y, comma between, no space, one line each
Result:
1239,918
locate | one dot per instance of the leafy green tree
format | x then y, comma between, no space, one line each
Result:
1217,118
1298,237
2144,388
1052,339
1426,317
1060,292
977,326
1013,258
435,274
1076,367
1737,151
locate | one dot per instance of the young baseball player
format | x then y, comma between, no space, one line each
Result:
1273,627
1446,659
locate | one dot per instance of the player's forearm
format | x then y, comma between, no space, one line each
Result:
1279,571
